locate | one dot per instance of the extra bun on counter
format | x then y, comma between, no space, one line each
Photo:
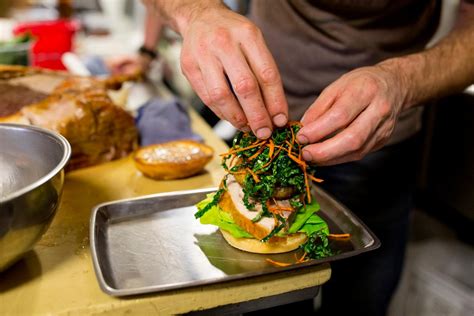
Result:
173,160
264,203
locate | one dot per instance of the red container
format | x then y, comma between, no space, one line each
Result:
52,40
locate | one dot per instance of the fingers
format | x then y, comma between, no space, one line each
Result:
220,97
340,104
364,134
339,116
320,106
194,76
266,72
233,48
247,90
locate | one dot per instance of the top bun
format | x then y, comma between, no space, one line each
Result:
173,160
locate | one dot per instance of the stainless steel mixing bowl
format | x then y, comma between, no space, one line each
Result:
31,182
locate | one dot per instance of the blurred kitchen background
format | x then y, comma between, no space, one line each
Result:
439,272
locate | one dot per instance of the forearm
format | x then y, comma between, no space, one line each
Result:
446,68
177,13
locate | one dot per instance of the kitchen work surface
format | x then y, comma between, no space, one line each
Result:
57,277
155,244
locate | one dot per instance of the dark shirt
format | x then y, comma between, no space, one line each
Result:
314,42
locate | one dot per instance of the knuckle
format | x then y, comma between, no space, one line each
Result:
187,63
269,76
245,86
239,121
354,142
218,95
370,86
221,37
340,117
205,98
250,29
385,109
320,155
258,118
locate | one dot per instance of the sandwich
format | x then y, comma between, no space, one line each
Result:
264,203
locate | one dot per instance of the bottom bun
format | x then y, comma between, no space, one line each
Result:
291,242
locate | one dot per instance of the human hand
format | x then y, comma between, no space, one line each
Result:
128,65
220,46
353,116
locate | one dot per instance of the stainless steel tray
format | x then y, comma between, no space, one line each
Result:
154,243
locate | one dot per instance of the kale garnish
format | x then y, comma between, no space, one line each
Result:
214,202
317,246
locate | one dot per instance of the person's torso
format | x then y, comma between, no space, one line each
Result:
314,42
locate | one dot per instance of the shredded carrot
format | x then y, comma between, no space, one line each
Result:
298,161
255,177
302,259
277,263
293,123
290,146
258,152
292,137
280,209
315,179
271,147
233,151
270,161
238,172
339,236
275,208
287,264
232,161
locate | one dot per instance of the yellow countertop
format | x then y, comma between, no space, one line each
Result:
58,278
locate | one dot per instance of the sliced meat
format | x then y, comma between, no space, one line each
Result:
232,202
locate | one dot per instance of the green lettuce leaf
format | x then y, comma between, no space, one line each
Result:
302,216
306,221
314,224
216,216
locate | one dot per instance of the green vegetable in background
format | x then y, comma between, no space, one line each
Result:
16,51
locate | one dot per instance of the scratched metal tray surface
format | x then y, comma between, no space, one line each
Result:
154,243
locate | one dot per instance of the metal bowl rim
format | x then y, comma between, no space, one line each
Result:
66,155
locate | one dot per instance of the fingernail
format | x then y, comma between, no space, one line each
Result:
246,129
280,120
307,155
264,133
303,140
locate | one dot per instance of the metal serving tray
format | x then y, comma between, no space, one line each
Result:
154,243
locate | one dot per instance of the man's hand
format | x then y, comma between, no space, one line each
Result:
352,117
220,48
